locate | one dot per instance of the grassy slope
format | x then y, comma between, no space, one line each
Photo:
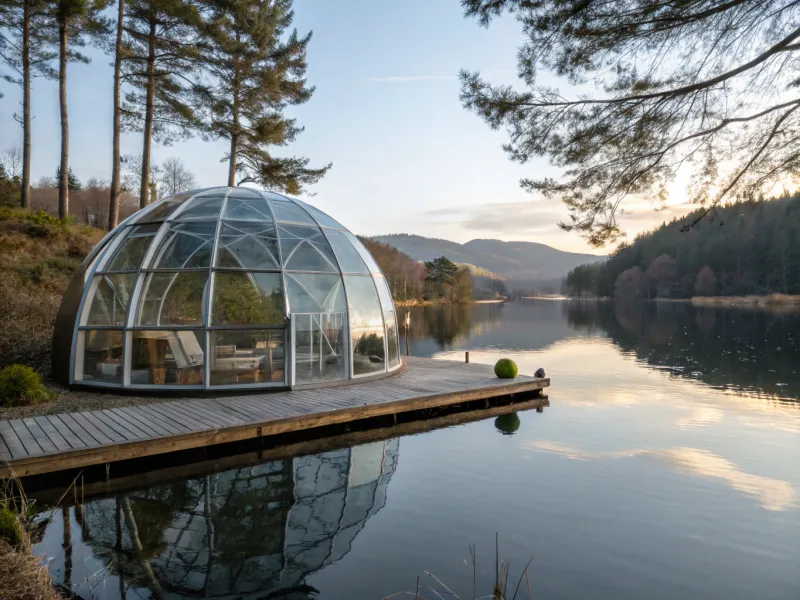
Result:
38,256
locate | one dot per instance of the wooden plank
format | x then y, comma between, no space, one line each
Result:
72,439
108,430
52,433
171,411
123,417
117,423
79,431
5,453
91,428
141,417
176,425
32,447
12,441
40,436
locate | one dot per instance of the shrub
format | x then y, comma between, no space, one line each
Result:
20,385
10,527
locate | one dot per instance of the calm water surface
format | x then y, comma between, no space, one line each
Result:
667,466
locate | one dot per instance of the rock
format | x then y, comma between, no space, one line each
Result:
539,372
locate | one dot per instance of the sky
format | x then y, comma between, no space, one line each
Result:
407,157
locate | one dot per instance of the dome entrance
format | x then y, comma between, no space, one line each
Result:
226,288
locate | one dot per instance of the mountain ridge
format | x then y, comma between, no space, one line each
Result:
521,264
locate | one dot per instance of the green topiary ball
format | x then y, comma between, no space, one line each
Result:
20,385
507,424
505,368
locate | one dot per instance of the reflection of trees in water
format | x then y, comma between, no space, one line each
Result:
746,349
445,323
243,533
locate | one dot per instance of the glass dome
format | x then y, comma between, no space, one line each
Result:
223,288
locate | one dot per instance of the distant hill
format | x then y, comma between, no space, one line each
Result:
521,264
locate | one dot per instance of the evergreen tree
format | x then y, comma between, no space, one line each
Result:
256,74
159,58
709,86
73,184
26,53
441,271
75,21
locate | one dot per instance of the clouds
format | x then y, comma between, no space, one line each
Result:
501,219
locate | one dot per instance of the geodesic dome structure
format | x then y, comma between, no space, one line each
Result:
226,287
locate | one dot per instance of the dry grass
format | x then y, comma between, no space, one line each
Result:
37,260
22,575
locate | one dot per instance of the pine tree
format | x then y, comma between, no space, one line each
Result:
76,21
73,183
116,178
24,50
160,52
255,75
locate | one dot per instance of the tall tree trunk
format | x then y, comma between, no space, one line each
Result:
63,188
144,192
235,132
26,105
113,203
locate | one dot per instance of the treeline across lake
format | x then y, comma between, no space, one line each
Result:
742,248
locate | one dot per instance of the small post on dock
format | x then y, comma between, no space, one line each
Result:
466,357
408,326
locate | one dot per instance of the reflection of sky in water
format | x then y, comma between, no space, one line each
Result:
638,481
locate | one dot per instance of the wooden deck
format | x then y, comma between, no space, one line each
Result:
46,444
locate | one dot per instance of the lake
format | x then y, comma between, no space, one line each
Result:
666,466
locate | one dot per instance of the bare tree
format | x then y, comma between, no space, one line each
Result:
12,162
132,178
175,178
709,86
113,203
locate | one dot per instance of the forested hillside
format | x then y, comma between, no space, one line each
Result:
742,248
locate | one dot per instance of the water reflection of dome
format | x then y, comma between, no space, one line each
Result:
245,533
225,287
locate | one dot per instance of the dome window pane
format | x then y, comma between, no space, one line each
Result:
131,252
170,299
164,358
185,246
247,299
247,209
320,217
288,212
350,260
102,355
246,357
204,206
248,246
108,304
319,347
313,293
165,208
306,249
392,339
364,253
383,293
366,325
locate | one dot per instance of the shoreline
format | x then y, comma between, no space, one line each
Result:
415,303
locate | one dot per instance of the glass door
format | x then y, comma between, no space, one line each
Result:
319,350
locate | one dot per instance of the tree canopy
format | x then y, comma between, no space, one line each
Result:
706,85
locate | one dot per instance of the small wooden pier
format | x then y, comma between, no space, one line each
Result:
47,444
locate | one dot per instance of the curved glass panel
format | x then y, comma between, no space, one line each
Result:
164,208
102,356
172,299
364,253
248,245
247,209
350,260
130,253
288,212
366,325
167,358
247,356
320,217
203,206
312,293
383,293
392,339
247,299
108,304
306,249
185,246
